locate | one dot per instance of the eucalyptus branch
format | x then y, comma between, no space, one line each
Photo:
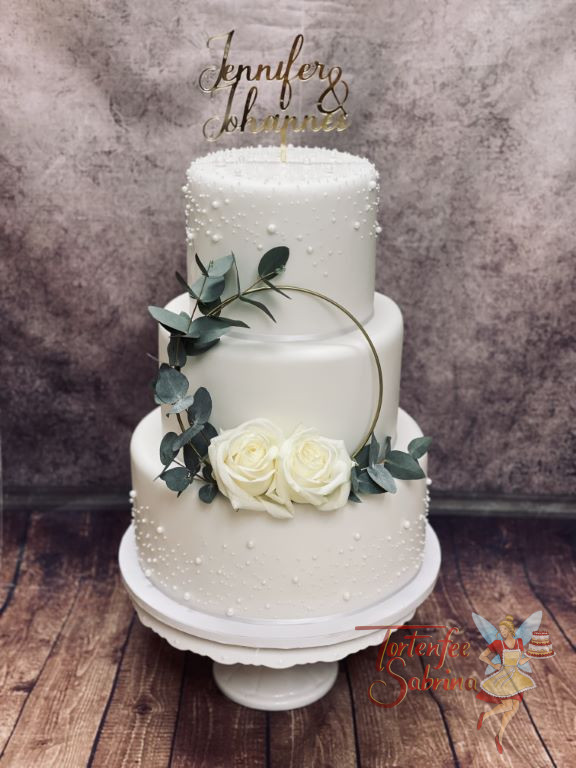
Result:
254,288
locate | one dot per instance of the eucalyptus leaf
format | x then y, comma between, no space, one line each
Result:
362,456
354,479
177,479
207,493
187,435
374,451
201,441
167,452
170,385
258,304
403,466
195,347
185,285
207,473
170,320
382,477
201,407
201,266
366,484
221,266
182,405
209,432
273,262
208,288
275,288
191,459
419,446
208,329
237,276
210,306
176,352
385,448
356,499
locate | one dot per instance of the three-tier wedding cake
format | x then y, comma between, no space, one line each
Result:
293,397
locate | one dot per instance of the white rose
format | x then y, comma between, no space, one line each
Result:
244,461
314,470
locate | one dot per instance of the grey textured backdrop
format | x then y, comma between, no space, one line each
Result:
469,112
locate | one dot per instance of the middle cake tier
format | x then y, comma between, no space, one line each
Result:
329,384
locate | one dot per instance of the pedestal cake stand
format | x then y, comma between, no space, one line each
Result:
267,664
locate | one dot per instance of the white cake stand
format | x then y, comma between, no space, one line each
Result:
267,664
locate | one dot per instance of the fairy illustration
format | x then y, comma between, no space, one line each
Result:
505,683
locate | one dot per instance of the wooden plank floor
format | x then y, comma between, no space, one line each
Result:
82,683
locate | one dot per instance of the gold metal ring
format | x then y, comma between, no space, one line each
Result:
356,322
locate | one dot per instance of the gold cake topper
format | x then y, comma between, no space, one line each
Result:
332,114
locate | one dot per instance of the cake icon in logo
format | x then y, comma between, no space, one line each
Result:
540,646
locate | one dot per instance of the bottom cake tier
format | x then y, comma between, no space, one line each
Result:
255,566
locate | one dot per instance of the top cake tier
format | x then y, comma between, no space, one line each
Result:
320,203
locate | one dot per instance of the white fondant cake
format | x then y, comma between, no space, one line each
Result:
321,204
311,367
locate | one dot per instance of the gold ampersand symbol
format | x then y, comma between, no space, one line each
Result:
334,79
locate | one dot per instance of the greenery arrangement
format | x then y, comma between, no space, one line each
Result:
377,465
191,336
184,454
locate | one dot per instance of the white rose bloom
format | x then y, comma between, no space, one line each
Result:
244,461
314,470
